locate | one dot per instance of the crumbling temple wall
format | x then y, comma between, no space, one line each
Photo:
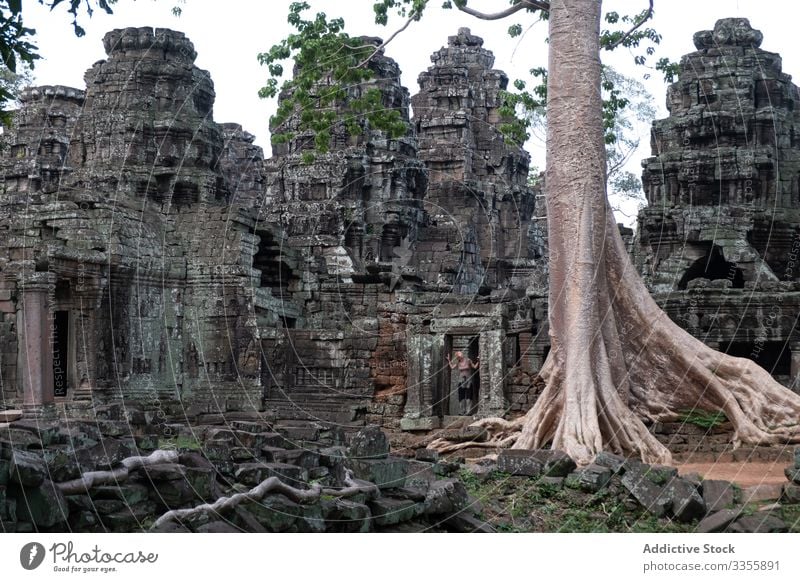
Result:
717,243
127,241
152,256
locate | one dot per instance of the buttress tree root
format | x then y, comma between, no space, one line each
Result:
616,358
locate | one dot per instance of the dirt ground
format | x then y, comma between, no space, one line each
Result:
745,474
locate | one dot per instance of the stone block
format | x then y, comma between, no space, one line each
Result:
717,521
44,506
791,493
10,415
446,496
759,523
128,493
519,462
27,468
163,472
793,474
718,495
685,502
389,511
346,516
421,423
427,455
385,473
647,493
275,513
368,443
589,479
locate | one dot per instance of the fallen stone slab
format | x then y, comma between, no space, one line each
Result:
589,479
163,472
647,493
790,493
427,455
464,522
793,474
718,521
718,494
385,473
368,443
275,513
10,415
759,524
128,493
44,506
294,434
762,492
519,462
660,474
614,462
685,502
389,511
446,496
346,516
27,468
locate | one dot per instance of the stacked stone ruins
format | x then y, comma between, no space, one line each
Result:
718,242
151,256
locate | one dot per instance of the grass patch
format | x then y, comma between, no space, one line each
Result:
704,418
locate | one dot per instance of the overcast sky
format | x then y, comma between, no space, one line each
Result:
228,36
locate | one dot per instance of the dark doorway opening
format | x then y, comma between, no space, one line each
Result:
713,266
774,357
60,343
473,354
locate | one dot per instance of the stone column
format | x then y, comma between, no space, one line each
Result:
424,375
83,349
36,355
491,397
794,370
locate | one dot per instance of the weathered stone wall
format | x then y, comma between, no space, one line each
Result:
130,202
718,242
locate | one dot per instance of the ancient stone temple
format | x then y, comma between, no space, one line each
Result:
126,245
412,249
718,241
151,256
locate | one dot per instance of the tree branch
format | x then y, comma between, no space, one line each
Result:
524,4
411,18
648,15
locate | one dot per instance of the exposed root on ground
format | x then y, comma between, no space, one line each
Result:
271,485
96,478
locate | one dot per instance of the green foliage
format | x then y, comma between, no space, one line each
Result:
17,50
179,443
331,82
703,418
521,504
331,68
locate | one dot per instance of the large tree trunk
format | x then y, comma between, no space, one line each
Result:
616,358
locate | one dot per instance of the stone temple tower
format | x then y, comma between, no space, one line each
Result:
718,241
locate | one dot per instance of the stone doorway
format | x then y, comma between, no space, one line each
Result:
469,346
